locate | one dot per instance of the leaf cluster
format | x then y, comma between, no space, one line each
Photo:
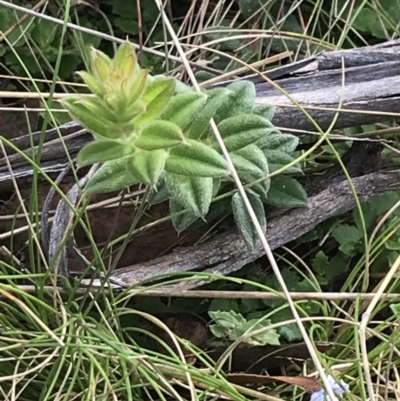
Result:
350,238
150,130
235,317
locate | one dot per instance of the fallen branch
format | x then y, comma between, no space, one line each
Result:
228,253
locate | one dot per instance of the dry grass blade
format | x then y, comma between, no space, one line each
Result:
255,221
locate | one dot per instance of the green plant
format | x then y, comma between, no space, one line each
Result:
231,326
350,239
150,130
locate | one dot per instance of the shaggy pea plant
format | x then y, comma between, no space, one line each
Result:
156,131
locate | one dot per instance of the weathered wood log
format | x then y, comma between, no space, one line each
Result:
366,80
228,253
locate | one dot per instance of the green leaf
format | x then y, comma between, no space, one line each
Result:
94,123
243,220
382,203
124,9
279,142
320,263
369,215
243,130
156,96
393,243
349,238
395,309
223,304
201,121
159,134
44,33
20,35
287,192
98,108
290,331
135,91
147,166
182,221
251,160
127,25
218,331
251,165
102,151
182,107
158,193
94,84
277,160
196,159
240,101
268,336
293,281
124,52
112,176
264,110
228,320
233,326
338,265
249,7
194,193
347,233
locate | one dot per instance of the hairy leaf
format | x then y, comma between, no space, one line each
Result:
232,325
102,151
96,124
287,192
279,142
182,107
196,159
159,192
265,110
243,220
251,165
181,221
200,122
277,160
261,188
98,108
156,96
125,50
243,130
228,320
147,166
194,193
159,134
251,160
111,176
95,85
136,88
240,101
268,336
